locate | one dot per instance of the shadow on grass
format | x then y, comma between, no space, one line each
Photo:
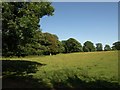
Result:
16,74
22,82
77,83
19,67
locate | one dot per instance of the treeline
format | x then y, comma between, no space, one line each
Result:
72,45
21,34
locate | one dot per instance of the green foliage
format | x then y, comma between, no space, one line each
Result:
61,48
22,36
65,46
88,46
107,48
116,46
20,26
53,44
74,70
99,47
72,45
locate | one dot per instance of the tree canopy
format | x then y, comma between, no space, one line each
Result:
116,45
88,46
72,45
99,47
52,43
22,34
107,48
20,25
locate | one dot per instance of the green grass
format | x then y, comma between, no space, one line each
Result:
76,69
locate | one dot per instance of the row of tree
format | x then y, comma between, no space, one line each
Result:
21,34
72,45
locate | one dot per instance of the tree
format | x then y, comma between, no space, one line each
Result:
52,43
88,46
61,48
64,43
116,46
107,48
20,24
99,47
72,45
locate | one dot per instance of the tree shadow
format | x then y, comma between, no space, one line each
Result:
77,83
18,74
22,82
19,67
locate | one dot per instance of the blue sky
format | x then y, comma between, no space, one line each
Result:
84,21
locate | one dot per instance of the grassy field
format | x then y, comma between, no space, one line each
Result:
75,70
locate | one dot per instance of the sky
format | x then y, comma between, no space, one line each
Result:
84,21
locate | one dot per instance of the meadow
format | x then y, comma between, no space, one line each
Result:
74,70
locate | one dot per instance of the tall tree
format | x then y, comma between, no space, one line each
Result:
52,43
99,47
61,47
72,45
65,46
20,24
116,45
107,48
88,46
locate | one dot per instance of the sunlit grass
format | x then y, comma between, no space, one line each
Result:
86,66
